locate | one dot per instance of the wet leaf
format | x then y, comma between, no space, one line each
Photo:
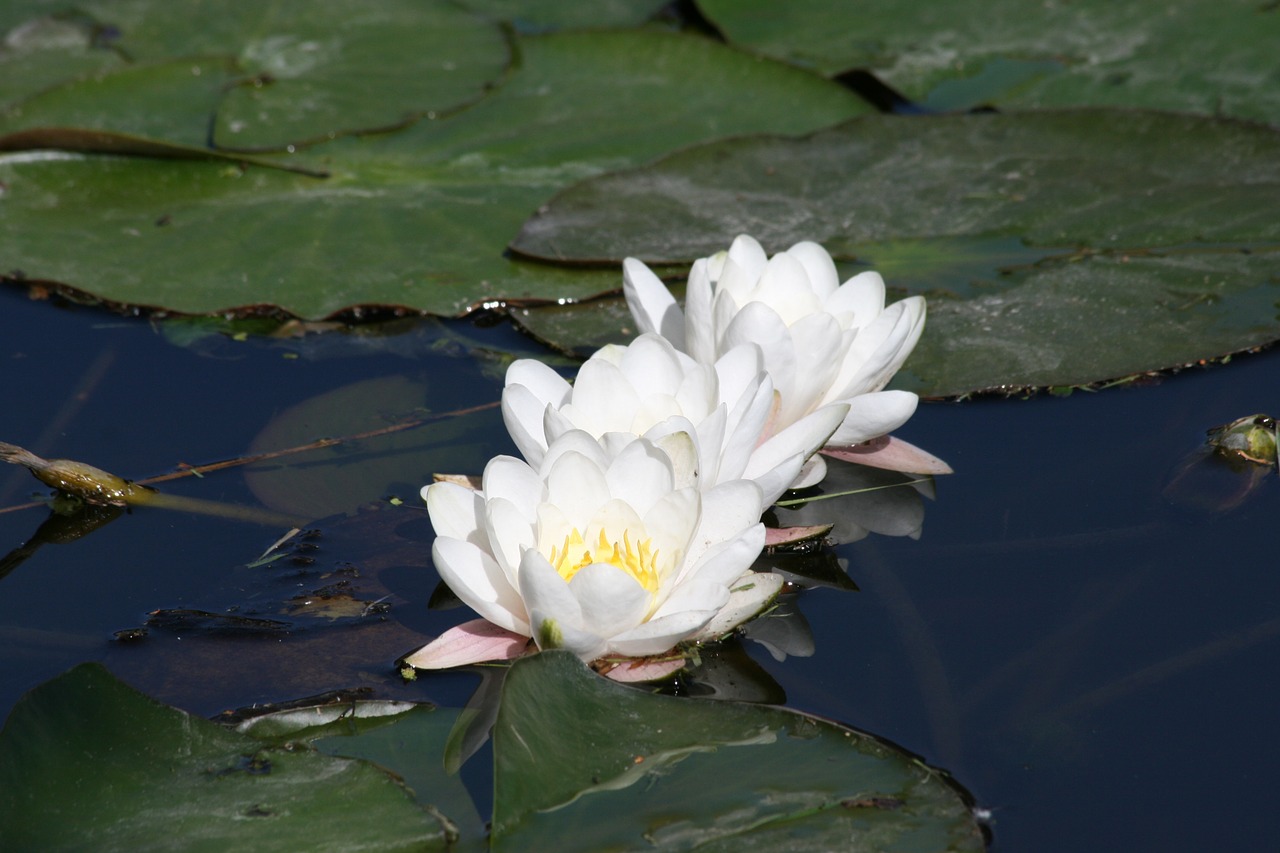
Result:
1180,265
1185,55
416,219
680,773
160,774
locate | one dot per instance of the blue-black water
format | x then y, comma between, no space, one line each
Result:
1093,663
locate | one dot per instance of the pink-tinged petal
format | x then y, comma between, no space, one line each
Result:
699,333
522,413
652,305
750,596
611,600
471,642
644,669
477,579
778,536
811,473
821,270
861,298
467,481
873,415
456,512
890,454
658,635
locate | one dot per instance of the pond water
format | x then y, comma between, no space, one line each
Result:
1091,661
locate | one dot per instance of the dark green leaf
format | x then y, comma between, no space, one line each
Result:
585,764
417,218
88,763
1202,56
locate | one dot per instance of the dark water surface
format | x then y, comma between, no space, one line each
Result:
1095,665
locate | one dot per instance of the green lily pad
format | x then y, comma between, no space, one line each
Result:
87,762
585,764
1136,188
417,218
1187,55
536,16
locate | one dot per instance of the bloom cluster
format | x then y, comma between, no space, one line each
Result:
632,522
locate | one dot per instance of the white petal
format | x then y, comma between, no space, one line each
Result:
548,598
750,595
477,579
758,323
642,473
726,560
658,635
576,441
821,270
603,398
749,255
784,287
522,413
697,595
510,533
511,479
819,345
577,485
811,474
699,331
543,382
728,510
861,298
802,438
652,366
880,349
611,600
874,415
456,512
651,303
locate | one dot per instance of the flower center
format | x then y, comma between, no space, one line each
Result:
638,560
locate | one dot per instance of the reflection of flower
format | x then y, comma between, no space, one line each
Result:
600,551
869,501
823,342
649,388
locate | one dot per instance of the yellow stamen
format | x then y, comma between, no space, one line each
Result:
639,561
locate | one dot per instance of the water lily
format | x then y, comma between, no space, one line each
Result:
651,389
823,342
606,549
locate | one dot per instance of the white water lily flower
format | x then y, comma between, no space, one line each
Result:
823,342
649,388
599,552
